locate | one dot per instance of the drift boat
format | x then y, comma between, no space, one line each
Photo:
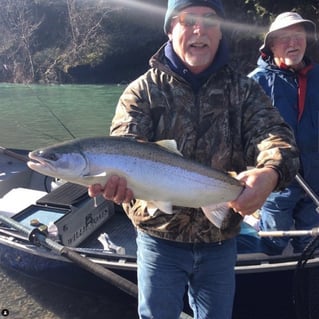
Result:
48,226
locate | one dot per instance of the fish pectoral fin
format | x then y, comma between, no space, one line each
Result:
216,213
165,207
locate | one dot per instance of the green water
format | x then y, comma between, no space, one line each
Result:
33,116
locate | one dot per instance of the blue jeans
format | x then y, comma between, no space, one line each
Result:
290,208
167,268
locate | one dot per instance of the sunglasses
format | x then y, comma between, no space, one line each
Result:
209,20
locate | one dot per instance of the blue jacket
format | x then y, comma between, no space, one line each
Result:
281,86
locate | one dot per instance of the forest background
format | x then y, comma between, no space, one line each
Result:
101,41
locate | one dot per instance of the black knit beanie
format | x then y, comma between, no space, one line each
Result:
175,6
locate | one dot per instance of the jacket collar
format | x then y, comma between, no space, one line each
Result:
267,62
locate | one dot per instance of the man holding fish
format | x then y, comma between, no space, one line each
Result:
217,118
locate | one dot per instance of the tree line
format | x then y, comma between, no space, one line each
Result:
103,41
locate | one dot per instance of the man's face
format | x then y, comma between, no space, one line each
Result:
195,35
289,45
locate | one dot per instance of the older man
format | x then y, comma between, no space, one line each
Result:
220,119
291,80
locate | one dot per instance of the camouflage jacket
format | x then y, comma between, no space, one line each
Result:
229,124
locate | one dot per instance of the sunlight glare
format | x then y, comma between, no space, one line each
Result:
229,25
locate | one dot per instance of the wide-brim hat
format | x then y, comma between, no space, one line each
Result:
285,20
175,6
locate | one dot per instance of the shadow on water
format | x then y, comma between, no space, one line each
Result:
28,297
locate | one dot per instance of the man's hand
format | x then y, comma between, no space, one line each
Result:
259,183
115,190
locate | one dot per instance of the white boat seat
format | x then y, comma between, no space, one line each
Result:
18,199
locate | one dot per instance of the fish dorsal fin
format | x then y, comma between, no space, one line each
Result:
170,145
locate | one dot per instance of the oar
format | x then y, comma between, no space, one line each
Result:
13,154
290,233
36,237
308,190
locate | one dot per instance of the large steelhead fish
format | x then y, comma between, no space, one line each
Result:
156,172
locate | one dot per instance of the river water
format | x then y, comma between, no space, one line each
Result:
38,115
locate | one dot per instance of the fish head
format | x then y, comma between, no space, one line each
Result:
67,163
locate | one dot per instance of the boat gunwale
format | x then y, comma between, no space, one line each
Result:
246,263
